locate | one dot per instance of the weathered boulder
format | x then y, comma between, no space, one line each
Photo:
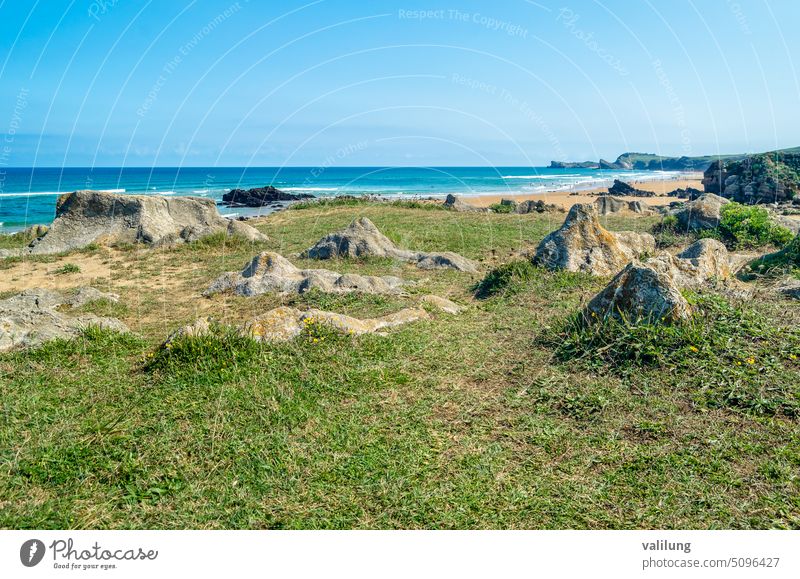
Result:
702,262
285,323
582,244
714,177
702,213
37,315
640,293
538,206
359,239
269,272
259,197
606,204
455,203
363,239
622,189
84,217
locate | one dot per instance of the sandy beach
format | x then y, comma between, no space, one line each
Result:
568,198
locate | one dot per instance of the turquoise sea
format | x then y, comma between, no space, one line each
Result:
28,195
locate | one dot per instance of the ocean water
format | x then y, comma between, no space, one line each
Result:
28,195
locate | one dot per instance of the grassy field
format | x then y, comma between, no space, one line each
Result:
507,415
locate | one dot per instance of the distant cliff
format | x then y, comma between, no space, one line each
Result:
653,162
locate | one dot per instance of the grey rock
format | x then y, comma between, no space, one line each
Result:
269,272
640,293
582,244
363,239
703,262
85,217
35,316
538,206
607,204
702,213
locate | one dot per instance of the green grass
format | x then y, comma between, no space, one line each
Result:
67,268
728,356
467,421
785,261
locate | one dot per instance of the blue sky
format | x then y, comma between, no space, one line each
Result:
142,83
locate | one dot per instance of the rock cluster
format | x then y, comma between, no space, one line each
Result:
85,217
38,315
363,239
537,206
284,323
606,204
689,193
622,189
763,178
259,197
582,244
269,272
650,290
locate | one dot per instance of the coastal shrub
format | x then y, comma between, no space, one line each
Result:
725,355
501,208
67,268
750,226
427,205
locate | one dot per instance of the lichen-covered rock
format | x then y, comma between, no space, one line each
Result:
284,323
702,213
441,303
269,272
85,217
640,293
582,244
34,316
363,239
359,239
705,261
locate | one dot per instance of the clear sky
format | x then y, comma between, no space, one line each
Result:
345,82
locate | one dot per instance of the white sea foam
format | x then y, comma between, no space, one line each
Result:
309,188
555,177
45,193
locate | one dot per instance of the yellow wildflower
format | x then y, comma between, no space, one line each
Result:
751,360
694,348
